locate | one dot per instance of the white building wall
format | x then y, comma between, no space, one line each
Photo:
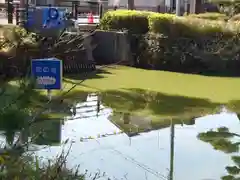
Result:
142,3
150,3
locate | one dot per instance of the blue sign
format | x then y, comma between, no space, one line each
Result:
30,17
53,17
47,73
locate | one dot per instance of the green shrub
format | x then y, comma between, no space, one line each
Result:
210,16
161,23
174,26
134,21
198,43
14,43
192,44
12,35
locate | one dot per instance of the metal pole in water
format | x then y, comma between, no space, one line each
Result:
172,134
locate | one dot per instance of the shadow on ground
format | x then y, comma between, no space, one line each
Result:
138,110
159,104
215,74
230,75
152,103
98,74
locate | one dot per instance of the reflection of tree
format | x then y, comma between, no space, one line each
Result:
221,140
126,118
46,132
12,121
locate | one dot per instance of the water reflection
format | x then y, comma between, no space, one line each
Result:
148,150
228,142
47,132
167,153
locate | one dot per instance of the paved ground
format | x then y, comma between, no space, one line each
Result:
5,21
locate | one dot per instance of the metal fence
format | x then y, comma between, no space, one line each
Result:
80,11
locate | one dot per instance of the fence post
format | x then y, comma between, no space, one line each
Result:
158,9
17,14
131,4
76,10
26,15
22,15
101,10
10,11
73,6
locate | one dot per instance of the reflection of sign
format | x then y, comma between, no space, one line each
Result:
47,132
47,73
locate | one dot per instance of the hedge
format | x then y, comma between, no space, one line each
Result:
180,43
13,36
189,27
209,16
133,21
140,22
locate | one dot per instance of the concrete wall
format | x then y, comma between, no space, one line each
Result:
111,47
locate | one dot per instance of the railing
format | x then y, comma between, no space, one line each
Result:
79,11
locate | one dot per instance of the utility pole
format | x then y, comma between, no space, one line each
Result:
178,7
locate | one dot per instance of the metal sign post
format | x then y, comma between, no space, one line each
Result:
47,74
49,94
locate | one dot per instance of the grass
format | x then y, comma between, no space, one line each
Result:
173,91
158,95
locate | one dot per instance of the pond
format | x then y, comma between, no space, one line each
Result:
205,149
